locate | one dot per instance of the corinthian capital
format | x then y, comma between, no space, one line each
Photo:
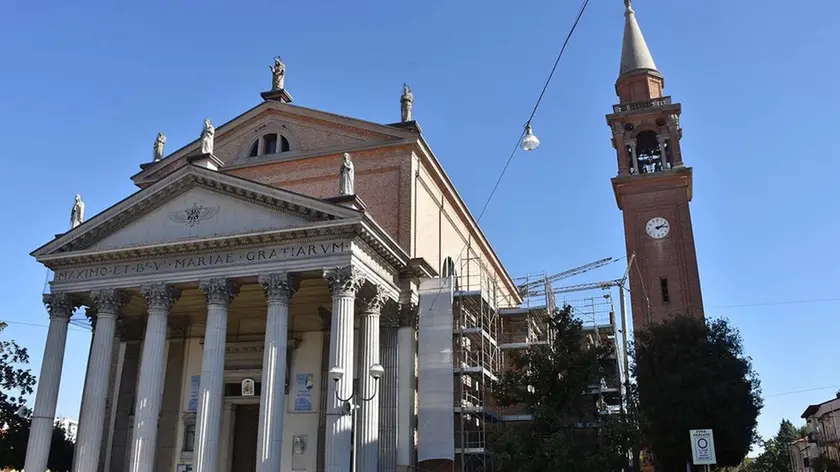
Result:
160,296
408,315
277,287
344,281
108,301
60,304
218,291
373,302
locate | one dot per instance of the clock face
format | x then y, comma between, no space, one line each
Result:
657,227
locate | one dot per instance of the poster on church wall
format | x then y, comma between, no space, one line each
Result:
195,380
304,383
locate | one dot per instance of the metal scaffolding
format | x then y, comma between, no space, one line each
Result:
597,314
484,334
476,362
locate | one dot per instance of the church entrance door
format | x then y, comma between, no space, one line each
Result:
245,438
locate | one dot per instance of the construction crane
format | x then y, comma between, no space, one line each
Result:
605,284
537,287
589,286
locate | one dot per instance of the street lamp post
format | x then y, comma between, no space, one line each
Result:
348,407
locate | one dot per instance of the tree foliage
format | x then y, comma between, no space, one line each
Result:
776,455
16,382
552,382
692,374
61,451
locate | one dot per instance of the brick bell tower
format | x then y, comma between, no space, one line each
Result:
653,187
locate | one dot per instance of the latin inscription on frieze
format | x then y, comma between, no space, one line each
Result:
198,261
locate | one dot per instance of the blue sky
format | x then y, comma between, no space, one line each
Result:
85,88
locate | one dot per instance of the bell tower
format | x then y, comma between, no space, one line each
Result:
653,187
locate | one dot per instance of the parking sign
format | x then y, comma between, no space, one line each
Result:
702,446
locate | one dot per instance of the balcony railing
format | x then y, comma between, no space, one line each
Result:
655,102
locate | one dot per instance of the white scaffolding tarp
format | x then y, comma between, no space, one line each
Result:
436,388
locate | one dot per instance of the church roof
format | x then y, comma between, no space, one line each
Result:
380,134
635,55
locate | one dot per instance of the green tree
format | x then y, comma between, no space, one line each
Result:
746,465
61,451
776,455
552,382
16,382
693,374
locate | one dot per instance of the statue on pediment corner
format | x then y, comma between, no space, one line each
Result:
347,180
208,134
159,142
77,214
406,103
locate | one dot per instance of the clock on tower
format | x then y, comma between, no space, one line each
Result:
653,187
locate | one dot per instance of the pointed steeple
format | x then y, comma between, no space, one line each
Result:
638,78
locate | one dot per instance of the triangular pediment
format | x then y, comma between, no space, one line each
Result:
307,132
196,204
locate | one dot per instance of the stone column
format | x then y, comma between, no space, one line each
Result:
278,292
675,133
219,293
367,434
634,158
61,308
406,385
226,443
159,298
663,151
94,398
621,148
344,282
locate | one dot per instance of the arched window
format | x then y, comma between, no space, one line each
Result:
270,143
649,153
448,268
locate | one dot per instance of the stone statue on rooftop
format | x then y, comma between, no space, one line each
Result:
347,180
406,102
278,74
77,214
208,134
159,142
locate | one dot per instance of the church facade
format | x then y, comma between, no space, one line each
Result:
255,303
302,291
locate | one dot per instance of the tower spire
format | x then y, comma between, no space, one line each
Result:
638,77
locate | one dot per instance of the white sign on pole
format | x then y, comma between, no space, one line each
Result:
702,446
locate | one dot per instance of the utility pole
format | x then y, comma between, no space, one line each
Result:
625,327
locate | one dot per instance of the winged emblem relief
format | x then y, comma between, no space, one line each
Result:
192,216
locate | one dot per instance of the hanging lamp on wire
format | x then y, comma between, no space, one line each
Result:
529,140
